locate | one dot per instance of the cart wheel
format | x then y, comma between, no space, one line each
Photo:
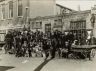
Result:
92,54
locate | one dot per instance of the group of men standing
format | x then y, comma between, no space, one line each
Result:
24,42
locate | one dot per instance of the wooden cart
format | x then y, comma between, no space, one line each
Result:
87,51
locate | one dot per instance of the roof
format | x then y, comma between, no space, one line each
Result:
45,17
64,7
67,14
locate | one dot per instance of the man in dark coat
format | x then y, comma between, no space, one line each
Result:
18,45
9,40
70,39
54,45
46,48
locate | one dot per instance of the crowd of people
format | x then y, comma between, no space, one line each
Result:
24,43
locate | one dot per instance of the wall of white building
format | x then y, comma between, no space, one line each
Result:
42,8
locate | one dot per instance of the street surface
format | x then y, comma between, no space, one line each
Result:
38,64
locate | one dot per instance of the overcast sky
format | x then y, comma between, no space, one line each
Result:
74,4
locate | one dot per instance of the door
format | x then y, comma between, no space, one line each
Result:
47,28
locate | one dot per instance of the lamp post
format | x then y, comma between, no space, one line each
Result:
27,16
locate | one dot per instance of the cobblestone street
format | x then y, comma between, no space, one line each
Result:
38,64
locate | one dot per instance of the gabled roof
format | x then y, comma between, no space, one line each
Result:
64,7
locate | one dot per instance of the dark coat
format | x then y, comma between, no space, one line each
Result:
45,45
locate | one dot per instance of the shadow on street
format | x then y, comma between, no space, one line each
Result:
5,68
42,65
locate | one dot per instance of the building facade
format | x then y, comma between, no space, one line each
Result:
19,11
80,23
47,23
46,16
16,13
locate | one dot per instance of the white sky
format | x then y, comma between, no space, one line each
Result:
74,4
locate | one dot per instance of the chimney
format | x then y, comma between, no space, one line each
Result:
79,8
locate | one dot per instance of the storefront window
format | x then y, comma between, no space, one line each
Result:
79,29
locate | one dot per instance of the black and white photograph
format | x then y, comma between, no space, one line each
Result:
47,35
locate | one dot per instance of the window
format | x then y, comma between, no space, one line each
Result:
58,23
10,9
3,11
36,25
78,28
48,27
39,25
1,17
55,22
60,20
78,25
20,8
